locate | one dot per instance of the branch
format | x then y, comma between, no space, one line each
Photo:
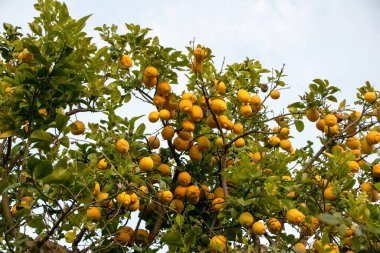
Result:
74,111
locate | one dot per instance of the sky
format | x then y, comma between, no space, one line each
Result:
336,40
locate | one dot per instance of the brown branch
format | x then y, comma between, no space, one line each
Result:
77,239
157,225
74,111
41,242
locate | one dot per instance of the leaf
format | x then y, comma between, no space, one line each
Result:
6,134
329,219
377,186
140,129
172,239
319,82
61,121
58,176
342,105
65,141
39,168
299,125
42,135
332,98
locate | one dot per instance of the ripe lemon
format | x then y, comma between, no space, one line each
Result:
219,142
196,113
210,122
159,100
180,192
239,143
353,142
370,97
199,54
321,125
124,235
219,192
193,192
165,196
150,82
195,154
196,66
164,114
217,204
376,170
218,106
122,146
274,141
188,125
167,133
150,72
96,189
312,114
146,164
299,248
220,87
295,217
243,96
354,166
203,143
154,116
238,128
185,105
373,137
180,144
186,136
255,100
164,170
366,148
285,144
218,243
154,142
184,178
78,128
123,199
102,164
156,158
126,61
274,225
163,88
177,205
366,187
25,55
94,213
330,120
246,219
275,94
245,110
258,228
329,194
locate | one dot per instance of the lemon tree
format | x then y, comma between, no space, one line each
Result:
220,171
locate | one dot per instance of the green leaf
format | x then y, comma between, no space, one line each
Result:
65,141
332,98
172,239
377,186
342,105
39,168
329,219
140,129
58,176
61,121
319,82
42,135
299,125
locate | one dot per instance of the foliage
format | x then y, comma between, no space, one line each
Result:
68,187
